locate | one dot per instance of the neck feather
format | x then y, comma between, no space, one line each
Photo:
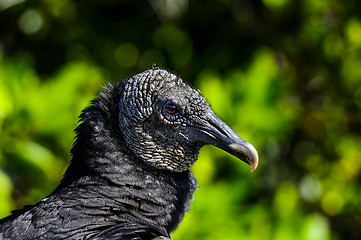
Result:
103,169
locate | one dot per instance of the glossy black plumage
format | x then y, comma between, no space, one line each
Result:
129,177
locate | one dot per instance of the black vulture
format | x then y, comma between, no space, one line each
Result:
129,175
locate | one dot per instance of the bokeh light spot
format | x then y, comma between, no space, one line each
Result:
316,227
353,32
31,21
310,188
126,55
332,202
285,200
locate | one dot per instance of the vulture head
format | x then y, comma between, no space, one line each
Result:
165,122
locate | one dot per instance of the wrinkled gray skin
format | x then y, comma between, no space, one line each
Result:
129,176
160,139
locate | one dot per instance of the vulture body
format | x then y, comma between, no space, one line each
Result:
129,176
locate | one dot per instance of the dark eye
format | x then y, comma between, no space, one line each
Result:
171,109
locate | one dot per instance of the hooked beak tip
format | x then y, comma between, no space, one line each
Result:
248,151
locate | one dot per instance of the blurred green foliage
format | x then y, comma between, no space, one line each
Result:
283,74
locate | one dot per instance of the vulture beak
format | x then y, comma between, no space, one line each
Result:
215,132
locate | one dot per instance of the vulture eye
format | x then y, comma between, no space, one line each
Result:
171,109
